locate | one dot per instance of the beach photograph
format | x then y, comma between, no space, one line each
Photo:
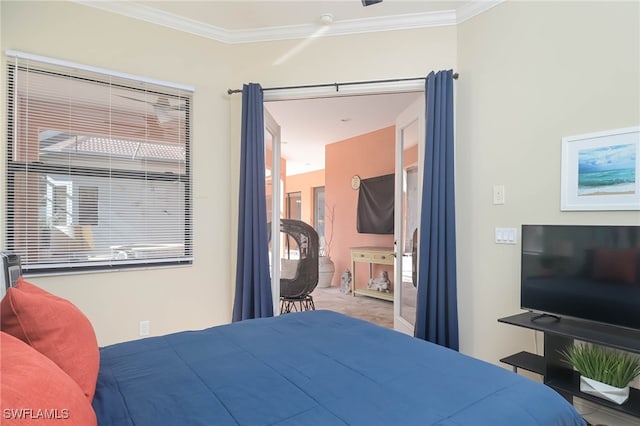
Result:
608,170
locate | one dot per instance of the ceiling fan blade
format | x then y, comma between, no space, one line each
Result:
163,104
136,99
161,107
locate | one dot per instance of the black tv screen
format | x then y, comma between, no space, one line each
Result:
584,272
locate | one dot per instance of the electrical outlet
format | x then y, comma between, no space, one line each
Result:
144,328
498,194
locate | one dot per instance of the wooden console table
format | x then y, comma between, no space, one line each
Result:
370,255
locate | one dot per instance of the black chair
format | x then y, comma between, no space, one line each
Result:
295,291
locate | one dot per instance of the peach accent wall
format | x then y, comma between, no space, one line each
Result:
367,155
304,183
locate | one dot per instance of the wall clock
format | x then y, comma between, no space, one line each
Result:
355,182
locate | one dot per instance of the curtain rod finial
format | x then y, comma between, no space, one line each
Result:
455,75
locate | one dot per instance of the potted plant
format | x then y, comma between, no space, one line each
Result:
603,372
326,267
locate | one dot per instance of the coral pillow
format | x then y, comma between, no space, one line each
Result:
54,327
35,391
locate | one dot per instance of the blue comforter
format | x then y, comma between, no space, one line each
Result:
312,368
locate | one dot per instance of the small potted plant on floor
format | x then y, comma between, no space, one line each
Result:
603,372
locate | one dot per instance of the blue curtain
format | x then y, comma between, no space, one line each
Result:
437,307
253,282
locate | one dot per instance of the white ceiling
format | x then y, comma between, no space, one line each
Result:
307,125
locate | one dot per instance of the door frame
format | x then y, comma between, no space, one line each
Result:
272,126
284,94
414,113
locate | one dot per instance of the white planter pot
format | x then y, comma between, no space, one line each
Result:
602,390
326,269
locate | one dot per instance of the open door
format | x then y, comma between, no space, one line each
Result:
410,131
273,190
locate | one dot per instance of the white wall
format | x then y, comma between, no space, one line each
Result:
530,73
172,299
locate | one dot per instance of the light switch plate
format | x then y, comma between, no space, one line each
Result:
498,194
506,236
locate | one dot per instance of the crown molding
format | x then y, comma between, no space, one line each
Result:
159,17
345,27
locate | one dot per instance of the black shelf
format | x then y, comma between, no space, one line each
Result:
527,361
559,334
587,331
571,385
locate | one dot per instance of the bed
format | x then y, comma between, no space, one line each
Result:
307,368
312,368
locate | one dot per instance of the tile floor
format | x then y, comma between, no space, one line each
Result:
367,308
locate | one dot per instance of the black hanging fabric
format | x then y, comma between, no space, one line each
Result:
376,205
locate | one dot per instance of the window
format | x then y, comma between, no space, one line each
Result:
319,214
98,168
294,205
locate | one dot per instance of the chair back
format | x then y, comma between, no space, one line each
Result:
305,279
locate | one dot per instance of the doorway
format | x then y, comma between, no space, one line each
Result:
347,112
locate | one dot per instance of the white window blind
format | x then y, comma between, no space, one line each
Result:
98,171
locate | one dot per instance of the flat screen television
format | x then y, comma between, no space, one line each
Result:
583,272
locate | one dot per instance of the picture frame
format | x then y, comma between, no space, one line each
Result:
601,171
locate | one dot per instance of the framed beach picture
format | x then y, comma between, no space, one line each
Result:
601,171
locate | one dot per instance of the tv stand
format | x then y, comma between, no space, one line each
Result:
558,335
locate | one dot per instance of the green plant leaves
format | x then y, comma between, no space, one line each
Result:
606,366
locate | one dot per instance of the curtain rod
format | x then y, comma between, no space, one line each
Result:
337,85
